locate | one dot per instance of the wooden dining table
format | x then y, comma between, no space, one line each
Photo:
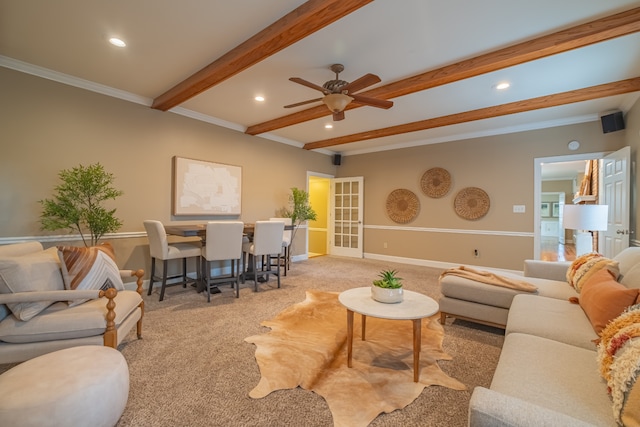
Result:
200,230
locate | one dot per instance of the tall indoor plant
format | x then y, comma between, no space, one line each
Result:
77,203
299,209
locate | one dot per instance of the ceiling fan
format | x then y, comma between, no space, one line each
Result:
339,93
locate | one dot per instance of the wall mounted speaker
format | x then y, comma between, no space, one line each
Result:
612,122
337,159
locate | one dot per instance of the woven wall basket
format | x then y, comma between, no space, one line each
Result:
435,182
402,206
471,203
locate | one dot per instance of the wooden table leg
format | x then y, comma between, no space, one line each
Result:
364,326
417,344
349,336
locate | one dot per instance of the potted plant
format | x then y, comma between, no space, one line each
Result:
299,211
78,203
388,288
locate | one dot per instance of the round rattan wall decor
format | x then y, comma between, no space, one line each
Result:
402,206
471,203
435,182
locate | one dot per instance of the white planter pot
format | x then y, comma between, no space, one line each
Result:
385,295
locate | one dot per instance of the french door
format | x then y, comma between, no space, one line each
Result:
346,217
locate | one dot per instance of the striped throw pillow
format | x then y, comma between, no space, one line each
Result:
89,268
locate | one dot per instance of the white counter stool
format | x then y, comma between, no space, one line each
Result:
78,386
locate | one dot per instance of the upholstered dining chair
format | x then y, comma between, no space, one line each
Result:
223,243
160,249
267,241
286,243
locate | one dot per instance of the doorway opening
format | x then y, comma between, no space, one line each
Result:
319,188
555,175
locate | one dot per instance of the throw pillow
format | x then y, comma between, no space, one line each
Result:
89,268
619,357
603,299
586,265
39,271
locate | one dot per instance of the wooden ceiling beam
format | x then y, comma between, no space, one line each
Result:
296,25
570,97
607,28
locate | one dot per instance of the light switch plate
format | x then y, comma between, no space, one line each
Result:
518,209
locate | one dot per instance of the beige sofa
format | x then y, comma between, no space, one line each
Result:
548,372
104,319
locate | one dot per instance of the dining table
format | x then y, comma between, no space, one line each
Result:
200,230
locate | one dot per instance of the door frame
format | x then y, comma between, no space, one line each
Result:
306,229
537,188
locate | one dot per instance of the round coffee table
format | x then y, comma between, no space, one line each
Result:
414,307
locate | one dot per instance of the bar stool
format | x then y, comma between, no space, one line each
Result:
162,250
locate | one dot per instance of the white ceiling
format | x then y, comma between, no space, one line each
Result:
170,40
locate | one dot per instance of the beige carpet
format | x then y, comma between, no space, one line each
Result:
193,367
306,347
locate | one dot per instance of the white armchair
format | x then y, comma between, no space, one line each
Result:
104,319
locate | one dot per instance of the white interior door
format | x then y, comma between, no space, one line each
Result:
346,217
615,171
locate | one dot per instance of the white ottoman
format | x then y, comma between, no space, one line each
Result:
79,386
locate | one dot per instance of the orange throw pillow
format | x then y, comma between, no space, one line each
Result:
603,299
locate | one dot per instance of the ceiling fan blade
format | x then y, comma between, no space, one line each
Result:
297,104
309,84
338,116
359,84
374,102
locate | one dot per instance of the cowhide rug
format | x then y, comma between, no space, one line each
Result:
306,347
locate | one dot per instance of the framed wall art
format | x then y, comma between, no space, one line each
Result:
206,188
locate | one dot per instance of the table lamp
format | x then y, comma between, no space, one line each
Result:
588,218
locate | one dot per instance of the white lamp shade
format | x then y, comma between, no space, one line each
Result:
586,217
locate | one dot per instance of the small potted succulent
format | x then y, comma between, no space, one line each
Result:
388,288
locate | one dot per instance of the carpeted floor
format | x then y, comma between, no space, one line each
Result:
193,367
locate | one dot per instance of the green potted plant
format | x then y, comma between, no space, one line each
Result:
388,288
299,210
77,203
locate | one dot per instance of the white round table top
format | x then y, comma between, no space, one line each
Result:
413,306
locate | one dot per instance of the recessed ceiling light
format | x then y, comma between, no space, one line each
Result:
328,126
503,85
259,98
117,42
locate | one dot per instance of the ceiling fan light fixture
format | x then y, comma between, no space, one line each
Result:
337,101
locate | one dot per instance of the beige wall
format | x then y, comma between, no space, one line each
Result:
632,139
47,126
502,165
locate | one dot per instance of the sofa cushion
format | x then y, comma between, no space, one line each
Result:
627,259
631,278
554,375
551,318
586,265
89,268
603,299
35,271
60,321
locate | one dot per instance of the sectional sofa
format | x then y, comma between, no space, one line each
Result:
551,372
